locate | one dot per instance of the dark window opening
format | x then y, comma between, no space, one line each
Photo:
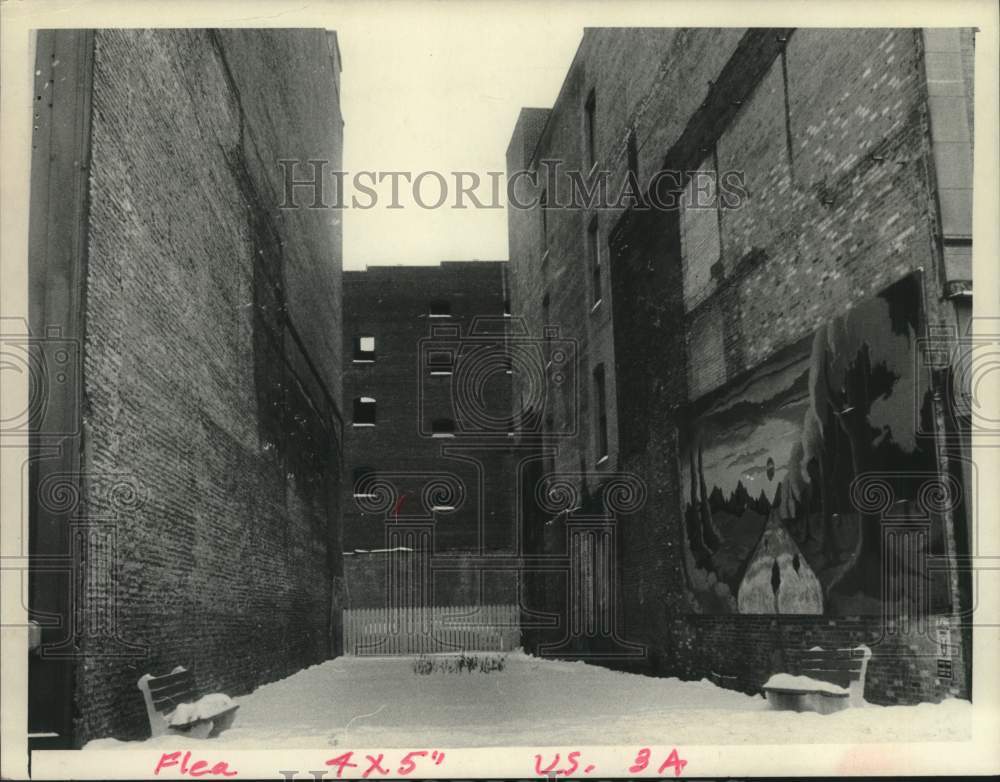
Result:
546,333
601,413
633,154
443,427
440,308
364,348
364,411
589,111
364,477
441,362
543,208
594,255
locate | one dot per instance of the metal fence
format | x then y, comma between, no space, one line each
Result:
409,630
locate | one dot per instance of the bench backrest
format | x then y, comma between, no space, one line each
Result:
163,694
843,667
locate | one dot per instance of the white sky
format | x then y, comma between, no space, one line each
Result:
423,89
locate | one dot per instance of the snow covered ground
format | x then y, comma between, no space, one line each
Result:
368,702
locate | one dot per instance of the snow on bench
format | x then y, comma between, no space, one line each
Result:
828,680
174,706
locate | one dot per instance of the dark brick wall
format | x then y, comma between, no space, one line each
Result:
212,360
830,130
392,304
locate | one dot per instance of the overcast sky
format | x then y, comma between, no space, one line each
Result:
418,92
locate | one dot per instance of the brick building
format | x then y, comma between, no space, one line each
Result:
427,400
749,334
187,454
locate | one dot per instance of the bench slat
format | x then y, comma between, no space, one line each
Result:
792,691
836,654
186,683
179,686
833,665
170,678
180,697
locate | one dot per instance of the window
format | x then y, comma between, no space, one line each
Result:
364,349
588,126
442,427
441,362
701,242
364,411
594,254
543,208
633,154
546,333
600,414
440,308
364,477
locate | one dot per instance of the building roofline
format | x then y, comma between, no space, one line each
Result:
559,95
446,265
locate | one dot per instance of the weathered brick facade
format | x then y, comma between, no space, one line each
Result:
210,334
838,135
415,394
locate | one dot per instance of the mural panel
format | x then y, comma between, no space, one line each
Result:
769,467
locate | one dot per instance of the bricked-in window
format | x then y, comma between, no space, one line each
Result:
442,427
364,349
594,256
364,411
589,110
701,245
440,308
600,414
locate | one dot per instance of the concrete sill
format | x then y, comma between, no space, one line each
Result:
602,460
363,426
596,305
363,361
442,434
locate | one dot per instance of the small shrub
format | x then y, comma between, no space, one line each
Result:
461,663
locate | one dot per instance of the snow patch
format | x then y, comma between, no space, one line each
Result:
205,708
786,681
381,702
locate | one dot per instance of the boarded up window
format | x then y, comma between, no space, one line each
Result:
706,352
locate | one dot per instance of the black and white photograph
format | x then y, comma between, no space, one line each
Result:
435,390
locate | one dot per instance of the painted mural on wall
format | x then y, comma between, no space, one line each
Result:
767,469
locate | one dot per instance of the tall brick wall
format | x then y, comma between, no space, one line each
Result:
212,360
830,131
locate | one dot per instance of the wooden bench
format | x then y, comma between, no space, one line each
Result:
164,694
838,681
